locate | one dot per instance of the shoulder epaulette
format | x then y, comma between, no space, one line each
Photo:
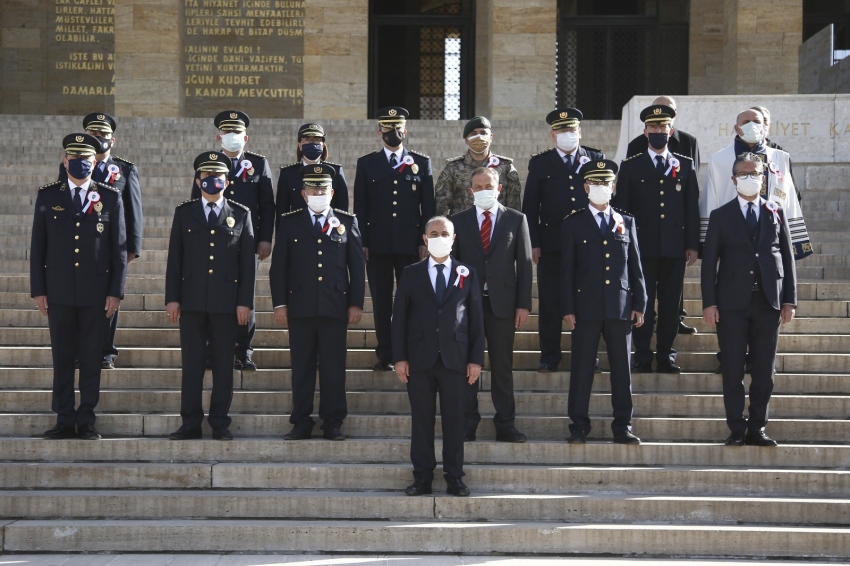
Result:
254,153
105,186
576,211
291,212
418,153
533,155
239,204
683,156
345,212
332,163
588,148
453,159
53,184
629,158
504,159
116,158
291,165
621,211
185,202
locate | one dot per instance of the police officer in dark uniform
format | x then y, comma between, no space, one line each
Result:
660,190
122,175
602,294
312,149
553,189
393,199
78,265
249,184
209,290
318,283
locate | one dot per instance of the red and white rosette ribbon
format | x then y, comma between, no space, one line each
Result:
494,161
774,209
674,166
408,160
462,273
774,168
619,226
93,198
332,222
113,173
581,161
244,166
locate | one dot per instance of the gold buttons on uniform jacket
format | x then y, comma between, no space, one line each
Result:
212,231
604,242
76,250
395,182
661,182
78,224
78,265
394,214
212,257
320,278
607,268
395,203
662,216
320,240
607,255
607,282
320,265
573,199
662,205
211,270
395,192
661,193
320,252
211,244
76,237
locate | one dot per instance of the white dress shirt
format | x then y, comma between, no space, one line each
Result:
397,153
322,219
744,204
219,204
607,213
432,271
84,189
572,155
652,154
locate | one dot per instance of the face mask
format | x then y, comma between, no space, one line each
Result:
485,199
600,194
311,151
318,203
233,142
566,141
658,140
749,187
212,185
393,138
440,247
79,168
105,144
752,132
479,143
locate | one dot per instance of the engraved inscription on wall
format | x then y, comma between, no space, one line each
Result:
245,55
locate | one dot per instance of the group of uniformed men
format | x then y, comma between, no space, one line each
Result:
461,255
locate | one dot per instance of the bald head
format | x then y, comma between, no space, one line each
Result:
665,100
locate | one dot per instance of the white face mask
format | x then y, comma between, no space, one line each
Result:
749,187
318,203
600,194
440,247
485,199
752,132
233,142
566,141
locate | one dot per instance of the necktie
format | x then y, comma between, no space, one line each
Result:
393,160
752,222
233,162
568,159
441,282
486,227
212,216
603,226
78,200
659,164
100,169
317,226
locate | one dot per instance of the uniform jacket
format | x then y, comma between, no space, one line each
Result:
393,205
507,267
422,328
211,269
318,276
665,207
78,260
127,183
601,277
452,188
730,286
289,187
680,142
553,190
255,192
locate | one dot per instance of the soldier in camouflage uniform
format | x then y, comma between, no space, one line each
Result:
452,189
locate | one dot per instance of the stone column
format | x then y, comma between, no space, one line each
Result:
483,57
705,52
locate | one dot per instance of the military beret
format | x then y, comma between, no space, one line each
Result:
212,162
475,123
83,145
392,116
232,121
99,122
311,130
564,118
601,170
657,114
318,175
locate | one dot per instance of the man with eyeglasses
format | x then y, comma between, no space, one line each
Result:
659,188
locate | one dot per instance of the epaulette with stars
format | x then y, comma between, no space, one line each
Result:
185,202
533,155
629,158
576,211
105,186
50,185
331,163
255,154
345,212
621,211
588,148
121,159
682,156
240,205
418,153
291,212
290,165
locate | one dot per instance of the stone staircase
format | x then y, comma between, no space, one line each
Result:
681,493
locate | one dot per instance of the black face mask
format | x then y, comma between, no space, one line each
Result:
393,138
311,151
658,141
105,145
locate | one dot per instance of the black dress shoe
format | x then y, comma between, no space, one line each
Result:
222,433
237,364
61,432
108,364
418,487
638,367
454,486
333,434
626,438
248,364
667,367
510,434
547,368
186,433
735,439
577,437
469,436
759,439
87,432
299,433
382,366
685,329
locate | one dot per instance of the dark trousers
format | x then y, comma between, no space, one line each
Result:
323,337
664,278
221,329
422,387
549,321
76,332
585,344
756,326
380,269
110,352
500,334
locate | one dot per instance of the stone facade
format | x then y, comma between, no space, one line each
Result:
818,74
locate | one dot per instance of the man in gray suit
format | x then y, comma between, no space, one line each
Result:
494,240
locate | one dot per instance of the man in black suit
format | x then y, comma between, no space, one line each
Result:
318,283
494,240
659,188
311,149
209,290
122,175
438,345
393,198
554,189
754,289
603,292
78,265
249,183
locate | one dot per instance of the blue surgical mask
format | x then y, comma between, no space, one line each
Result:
212,185
311,151
79,168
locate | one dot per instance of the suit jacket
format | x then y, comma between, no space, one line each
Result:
730,286
127,183
601,277
666,208
211,269
78,259
679,142
318,276
289,187
422,328
393,205
254,191
553,190
507,267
